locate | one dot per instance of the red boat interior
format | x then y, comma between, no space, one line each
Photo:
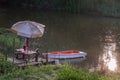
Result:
65,52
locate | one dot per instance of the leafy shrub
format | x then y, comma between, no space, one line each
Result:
2,57
8,41
72,73
7,67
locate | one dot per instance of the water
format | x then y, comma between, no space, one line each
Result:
97,36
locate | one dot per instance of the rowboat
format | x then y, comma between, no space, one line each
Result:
67,56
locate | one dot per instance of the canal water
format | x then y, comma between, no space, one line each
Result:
97,36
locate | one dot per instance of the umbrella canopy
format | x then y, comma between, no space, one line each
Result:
28,29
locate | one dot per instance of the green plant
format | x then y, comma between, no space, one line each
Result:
53,72
7,67
71,73
8,41
2,57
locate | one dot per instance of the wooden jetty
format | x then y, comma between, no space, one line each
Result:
23,63
25,58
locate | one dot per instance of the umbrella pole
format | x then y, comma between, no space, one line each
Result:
27,42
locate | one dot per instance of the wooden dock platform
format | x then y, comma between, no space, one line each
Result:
23,63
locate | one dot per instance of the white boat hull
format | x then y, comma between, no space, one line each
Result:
72,57
67,56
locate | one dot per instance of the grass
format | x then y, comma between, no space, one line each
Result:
72,73
32,73
53,72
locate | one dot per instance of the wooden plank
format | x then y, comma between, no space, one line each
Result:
17,61
28,64
21,62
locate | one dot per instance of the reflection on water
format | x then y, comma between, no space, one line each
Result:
108,58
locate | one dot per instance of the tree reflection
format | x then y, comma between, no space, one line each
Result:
108,59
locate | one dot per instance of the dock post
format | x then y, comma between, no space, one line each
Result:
47,58
57,61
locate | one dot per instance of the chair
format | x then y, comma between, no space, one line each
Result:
37,54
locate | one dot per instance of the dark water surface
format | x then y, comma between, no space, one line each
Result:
97,36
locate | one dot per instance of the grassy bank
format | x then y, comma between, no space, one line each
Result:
51,72
55,72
